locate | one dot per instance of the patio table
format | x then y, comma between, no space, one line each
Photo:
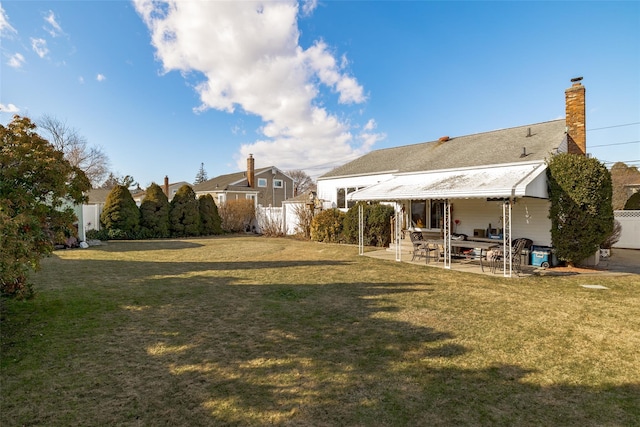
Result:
483,246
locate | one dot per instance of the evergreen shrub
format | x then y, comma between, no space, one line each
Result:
184,214
154,213
581,212
327,226
377,224
120,213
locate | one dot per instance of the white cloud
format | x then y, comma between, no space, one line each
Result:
9,108
53,28
308,6
101,77
250,57
5,27
16,60
39,46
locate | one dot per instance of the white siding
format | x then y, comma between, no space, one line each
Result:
328,188
529,218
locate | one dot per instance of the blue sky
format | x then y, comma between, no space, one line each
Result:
162,87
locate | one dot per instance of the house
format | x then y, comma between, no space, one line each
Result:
267,186
170,189
482,185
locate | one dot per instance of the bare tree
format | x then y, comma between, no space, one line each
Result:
115,180
90,159
301,182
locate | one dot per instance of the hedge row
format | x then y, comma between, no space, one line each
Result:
184,216
334,226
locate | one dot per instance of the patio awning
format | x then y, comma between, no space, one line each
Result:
502,181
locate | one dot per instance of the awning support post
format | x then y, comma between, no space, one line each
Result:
360,229
447,234
506,235
398,230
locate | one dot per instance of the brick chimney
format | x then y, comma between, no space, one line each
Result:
251,171
575,118
166,186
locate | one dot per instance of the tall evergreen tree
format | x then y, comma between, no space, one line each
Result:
120,215
201,176
154,212
184,215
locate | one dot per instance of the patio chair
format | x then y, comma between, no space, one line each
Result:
419,246
497,257
432,251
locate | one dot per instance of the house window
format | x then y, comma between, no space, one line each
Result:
427,214
262,182
341,199
277,183
351,203
220,198
437,214
250,196
419,213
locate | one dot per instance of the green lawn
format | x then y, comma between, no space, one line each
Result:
255,331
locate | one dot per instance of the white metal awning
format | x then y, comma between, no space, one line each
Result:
502,181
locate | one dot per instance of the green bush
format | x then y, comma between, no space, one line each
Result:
154,213
101,234
210,221
184,215
633,203
37,186
377,224
581,212
120,211
327,226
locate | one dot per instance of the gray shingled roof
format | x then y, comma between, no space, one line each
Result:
228,182
489,148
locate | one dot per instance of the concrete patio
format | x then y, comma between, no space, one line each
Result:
621,262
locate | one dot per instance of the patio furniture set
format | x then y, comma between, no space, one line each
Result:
490,250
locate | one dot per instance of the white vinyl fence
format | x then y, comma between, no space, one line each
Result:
630,235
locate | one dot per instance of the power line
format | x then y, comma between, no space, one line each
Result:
617,143
615,126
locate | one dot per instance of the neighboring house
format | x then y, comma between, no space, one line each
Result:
265,186
170,189
487,183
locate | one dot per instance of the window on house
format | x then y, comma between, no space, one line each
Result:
251,196
340,200
277,183
350,190
262,182
419,213
221,198
437,214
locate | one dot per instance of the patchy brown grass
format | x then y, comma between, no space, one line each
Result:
255,331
